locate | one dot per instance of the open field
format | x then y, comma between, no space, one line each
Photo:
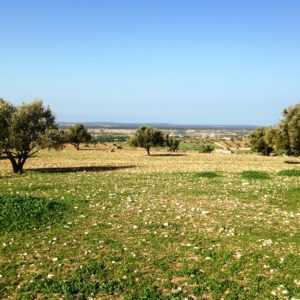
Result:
123,225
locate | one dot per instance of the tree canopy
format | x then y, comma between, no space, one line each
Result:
172,143
24,130
281,139
147,137
289,131
77,135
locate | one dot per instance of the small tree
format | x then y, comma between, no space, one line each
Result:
24,130
147,137
77,135
172,143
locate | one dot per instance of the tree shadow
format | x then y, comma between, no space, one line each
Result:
92,149
6,176
169,154
292,162
80,169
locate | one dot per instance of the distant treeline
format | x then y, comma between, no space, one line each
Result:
104,125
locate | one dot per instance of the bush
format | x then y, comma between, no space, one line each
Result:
255,175
24,213
206,148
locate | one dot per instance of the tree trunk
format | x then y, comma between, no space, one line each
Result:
17,165
148,151
14,164
21,166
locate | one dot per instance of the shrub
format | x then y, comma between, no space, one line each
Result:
206,148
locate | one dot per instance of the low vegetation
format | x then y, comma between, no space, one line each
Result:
255,175
19,213
156,230
290,173
206,148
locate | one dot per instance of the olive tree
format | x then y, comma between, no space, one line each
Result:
289,131
77,135
147,137
260,141
24,130
172,143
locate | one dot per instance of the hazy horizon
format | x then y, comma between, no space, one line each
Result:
192,62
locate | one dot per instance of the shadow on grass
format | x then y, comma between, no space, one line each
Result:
92,149
207,174
292,162
289,172
256,175
168,154
80,169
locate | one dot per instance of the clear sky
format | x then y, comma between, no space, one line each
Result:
191,61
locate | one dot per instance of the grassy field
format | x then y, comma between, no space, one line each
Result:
92,224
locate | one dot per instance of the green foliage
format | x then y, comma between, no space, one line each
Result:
257,175
24,130
207,174
284,139
24,213
206,148
262,140
77,135
147,137
290,173
289,131
172,143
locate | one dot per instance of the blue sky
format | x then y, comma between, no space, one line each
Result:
192,61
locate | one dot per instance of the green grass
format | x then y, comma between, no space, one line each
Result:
291,198
89,280
149,235
18,213
256,175
290,173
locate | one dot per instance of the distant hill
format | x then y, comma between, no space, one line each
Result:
115,125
